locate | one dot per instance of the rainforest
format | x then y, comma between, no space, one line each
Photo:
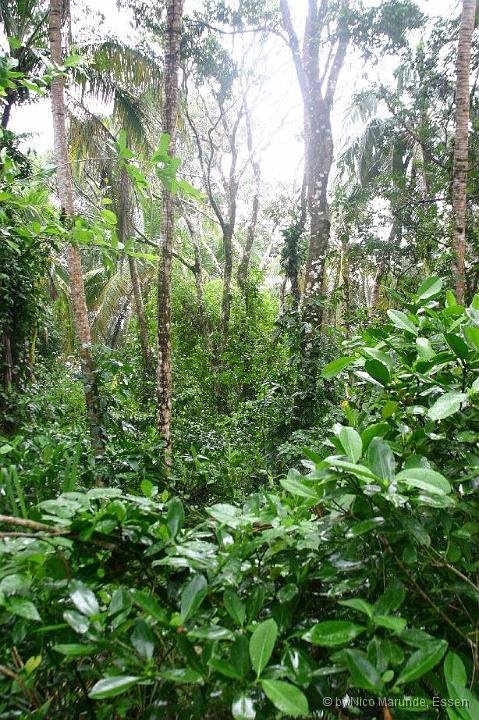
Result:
239,359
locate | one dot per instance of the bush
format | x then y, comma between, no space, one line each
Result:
357,578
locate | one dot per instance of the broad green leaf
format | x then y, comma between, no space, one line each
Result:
425,479
225,668
446,405
457,345
424,348
350,441
287,698
421,661
78,622
378,371
364,526
335,367
360,471
234,606
111,686
261,644
150,606
401,321
363,674
430,287
381,459
472,336
83,598
332,633
23,608
243,708
192,596
372,431
181,675
396,624
454,670
175,517
360,605
295,484
75,649
143,640
211,632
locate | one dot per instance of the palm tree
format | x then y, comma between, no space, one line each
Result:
461,146
26,22
65,191
170,111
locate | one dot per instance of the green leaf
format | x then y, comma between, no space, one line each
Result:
83,598
143,640
472,336
243,708
23,608
211,632
425,479
225,668
175,517
360,471
423,660
378,371
150,606
332,633
401,321
446,405
295,484
424,348
457,345
75,649
358,604
351,442
381,459
364,526
430,287
363,674
78,622
287,698
335,367
111,686
192,596
396,624
261,644
372,431
234,606
454,670
181,675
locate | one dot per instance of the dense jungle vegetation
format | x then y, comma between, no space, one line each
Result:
239,413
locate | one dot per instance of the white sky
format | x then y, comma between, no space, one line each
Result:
282,160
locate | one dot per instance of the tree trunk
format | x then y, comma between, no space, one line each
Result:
141,317
199,282
125,231
243,268
227,276
461,147
65,192
170,111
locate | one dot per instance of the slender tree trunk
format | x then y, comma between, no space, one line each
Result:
243,268
170,111
461,146
65,191
141,317
199,282
125,229
227,276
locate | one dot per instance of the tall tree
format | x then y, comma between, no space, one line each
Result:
170,111
461,146
318,82
66,194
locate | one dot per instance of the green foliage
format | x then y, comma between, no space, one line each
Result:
357,577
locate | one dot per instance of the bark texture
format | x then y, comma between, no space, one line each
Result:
317,82
170,110
243,267
461,146
65,192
